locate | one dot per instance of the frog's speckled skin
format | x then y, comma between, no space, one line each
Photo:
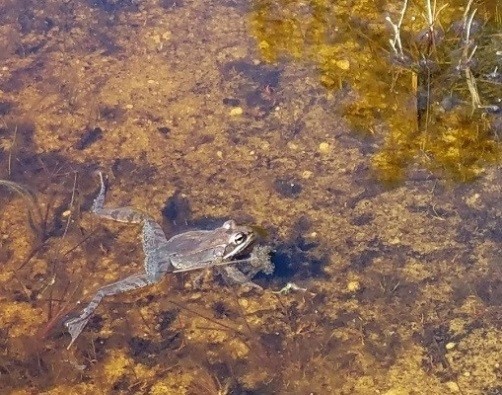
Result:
187,251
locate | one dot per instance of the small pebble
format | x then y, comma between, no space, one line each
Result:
353,286
473,199
307,174
324,148
450,345
453,386
236,111
343,64
244,303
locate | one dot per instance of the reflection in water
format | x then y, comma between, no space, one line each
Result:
416,101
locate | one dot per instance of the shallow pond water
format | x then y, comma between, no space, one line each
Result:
364,145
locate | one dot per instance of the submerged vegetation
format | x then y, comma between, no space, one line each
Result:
375,290
443,58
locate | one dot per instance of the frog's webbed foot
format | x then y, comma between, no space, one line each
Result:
75,327
260,260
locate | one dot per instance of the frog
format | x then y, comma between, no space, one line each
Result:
224,248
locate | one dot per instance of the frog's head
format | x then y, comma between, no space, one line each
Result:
240,237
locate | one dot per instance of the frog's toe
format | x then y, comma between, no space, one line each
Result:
249,285
75,327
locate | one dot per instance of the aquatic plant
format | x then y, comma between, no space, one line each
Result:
434,106
206,383
30,198
445,74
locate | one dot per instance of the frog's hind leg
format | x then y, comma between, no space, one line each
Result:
120,214
153,235
77,324
155,266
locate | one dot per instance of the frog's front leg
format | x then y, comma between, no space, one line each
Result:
234,275
258,261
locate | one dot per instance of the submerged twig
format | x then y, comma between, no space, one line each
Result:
473,89
9,163
19,189
70,209
432,14
467,55
395,42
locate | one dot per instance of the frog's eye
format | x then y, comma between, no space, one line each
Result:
239,238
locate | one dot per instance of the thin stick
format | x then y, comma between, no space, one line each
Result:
473,89
430,18
469,24
395,43
466,12
10,151
466,58
71,205
184,307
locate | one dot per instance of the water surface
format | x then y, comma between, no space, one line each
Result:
374,171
